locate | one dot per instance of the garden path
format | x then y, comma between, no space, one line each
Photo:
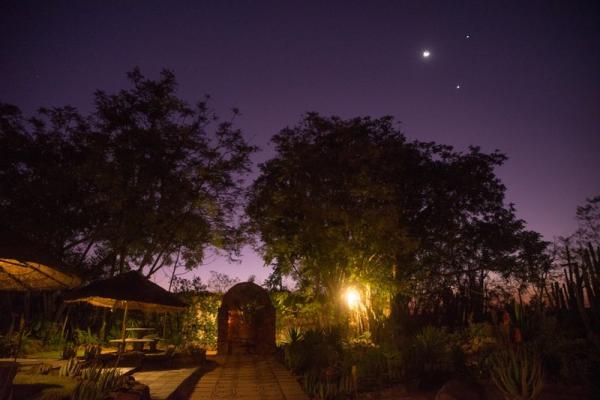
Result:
248,377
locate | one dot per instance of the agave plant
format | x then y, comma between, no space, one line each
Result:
517,372
70,368
96,383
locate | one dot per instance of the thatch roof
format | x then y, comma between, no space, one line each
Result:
24,266
130,288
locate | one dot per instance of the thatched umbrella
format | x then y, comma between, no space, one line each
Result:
128,291
25,267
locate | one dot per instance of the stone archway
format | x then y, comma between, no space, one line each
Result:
246,321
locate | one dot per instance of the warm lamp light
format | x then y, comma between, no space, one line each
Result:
352,297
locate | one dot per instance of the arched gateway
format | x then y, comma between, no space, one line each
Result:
246,321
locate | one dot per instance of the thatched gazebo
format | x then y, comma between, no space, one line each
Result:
246,321
26,267
128,291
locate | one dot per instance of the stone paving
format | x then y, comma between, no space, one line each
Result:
248,377
164,384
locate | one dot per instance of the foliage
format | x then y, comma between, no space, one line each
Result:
377,366
198,353
517,372
347,201
334,386
96,382
433,356
141,181
478,344
9,344
70,368
220,283
588,216
198,324
316,349
86,337
317,355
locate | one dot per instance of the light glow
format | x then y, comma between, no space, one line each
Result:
426,54
352,297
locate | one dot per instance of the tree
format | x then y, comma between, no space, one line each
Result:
353,200
144,179
588,217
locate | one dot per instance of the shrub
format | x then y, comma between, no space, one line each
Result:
86,337
96,383
433,356
517,372
69,351
479,343
70,368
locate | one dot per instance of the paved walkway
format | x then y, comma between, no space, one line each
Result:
164,384
248,377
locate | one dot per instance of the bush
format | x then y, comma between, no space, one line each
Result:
318,356
9,345
433,356
479,343
96,383
517,372
70,369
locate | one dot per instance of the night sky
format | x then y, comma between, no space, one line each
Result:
529,75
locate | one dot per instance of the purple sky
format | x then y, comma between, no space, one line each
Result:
529,75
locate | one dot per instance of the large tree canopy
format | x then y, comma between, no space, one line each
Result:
354,200
142,181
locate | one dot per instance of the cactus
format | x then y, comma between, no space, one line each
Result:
580,291
517,372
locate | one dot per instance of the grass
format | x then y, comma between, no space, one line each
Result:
42,387
47,354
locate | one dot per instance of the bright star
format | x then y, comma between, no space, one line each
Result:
458,86
426,54
468,37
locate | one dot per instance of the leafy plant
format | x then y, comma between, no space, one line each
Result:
517,372
431,356
69,350
333,386
198,353
85,337
91,351
96,383
70,368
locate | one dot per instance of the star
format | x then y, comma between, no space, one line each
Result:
468,37
458,86
426,53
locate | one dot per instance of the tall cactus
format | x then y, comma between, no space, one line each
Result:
580,290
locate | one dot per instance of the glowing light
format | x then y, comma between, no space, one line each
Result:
352,297
458,86
426,53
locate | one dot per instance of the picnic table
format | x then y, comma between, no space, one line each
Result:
139,340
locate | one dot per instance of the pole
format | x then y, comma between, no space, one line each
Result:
122,346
